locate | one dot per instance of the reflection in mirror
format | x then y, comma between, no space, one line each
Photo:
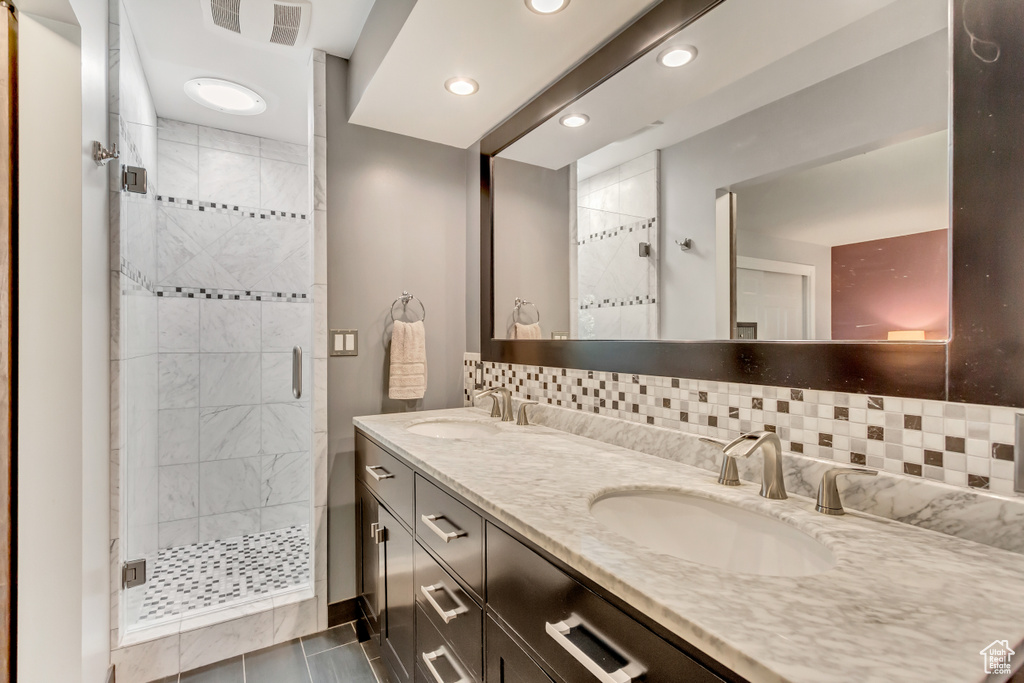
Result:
789,182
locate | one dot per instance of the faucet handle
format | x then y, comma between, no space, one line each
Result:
523,420
495,404
829,502
730,474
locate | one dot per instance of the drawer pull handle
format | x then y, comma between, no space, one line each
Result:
384,474
446,536
430,657
559,632
447,615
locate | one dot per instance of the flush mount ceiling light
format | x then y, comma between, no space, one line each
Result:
225,96
547,6
574,120
461,86
677,55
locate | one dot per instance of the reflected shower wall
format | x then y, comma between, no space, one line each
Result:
617,213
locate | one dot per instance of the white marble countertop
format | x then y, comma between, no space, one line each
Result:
901,604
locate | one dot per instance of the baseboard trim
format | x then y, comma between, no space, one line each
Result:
343,612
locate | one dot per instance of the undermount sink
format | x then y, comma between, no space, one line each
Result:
712,533
453,429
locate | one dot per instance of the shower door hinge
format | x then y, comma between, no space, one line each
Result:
378,533
133,573
133,179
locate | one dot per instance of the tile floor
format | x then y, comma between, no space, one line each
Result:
333,656
193,577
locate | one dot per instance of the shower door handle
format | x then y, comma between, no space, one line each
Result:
297,372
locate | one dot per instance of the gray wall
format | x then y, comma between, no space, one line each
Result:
396,211
909,94
532,211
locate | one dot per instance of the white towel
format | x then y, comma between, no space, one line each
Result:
526,331
408,376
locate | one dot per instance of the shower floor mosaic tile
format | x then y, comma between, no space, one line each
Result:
202,575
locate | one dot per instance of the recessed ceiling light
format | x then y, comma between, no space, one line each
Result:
461,86
547,6
574,120
225,96
677,55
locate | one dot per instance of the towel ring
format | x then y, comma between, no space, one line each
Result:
404,300
517,311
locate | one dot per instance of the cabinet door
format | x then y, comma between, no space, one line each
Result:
398,634
367,554
506,661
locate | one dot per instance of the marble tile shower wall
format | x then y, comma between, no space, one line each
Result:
617,210
144,656
958,444
233,273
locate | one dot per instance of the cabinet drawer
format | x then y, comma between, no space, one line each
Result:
386,476
436,662
506,661
441,598
451,530
573,630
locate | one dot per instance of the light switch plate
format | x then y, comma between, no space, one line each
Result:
343,343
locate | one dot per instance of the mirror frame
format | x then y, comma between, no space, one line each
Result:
982,362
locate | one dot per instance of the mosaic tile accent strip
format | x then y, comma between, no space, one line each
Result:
613,303
192,577
242,211
229,294
959,444
611,232
135,274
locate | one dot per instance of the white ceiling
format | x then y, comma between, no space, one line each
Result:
177,45
897,190
788,45
512,52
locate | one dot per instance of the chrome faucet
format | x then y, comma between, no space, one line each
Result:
773,484
829,502
506,402
524,420
495,401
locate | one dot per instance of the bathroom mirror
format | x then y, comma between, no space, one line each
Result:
791,184
776,228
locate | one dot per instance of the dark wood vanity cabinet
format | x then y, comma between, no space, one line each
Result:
453,597
507,662
368,569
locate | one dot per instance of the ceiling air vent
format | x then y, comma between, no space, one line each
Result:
225,14
287,21
270,22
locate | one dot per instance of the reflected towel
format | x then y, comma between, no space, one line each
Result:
408,375
526,331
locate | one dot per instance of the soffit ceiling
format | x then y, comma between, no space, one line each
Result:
177,45
511,52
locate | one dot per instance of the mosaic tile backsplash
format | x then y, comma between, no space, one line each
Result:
958,444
